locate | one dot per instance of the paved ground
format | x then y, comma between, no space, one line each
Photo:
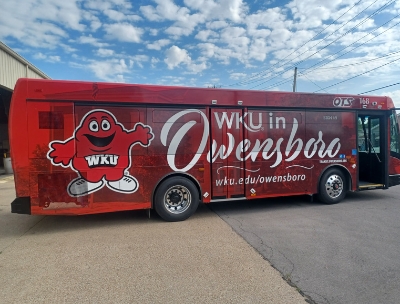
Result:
344,253
128,258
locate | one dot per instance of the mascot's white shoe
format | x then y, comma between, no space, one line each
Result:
80,187
127,184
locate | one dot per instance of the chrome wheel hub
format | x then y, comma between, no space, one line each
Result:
177,199
334,186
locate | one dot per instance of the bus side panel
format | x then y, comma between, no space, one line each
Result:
102,145
49,121
123,156
180,145
275,163
331,140
18,134
54,184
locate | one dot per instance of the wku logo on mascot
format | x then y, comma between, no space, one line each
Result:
100,152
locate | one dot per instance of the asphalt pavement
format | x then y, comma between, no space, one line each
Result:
335,254
126,257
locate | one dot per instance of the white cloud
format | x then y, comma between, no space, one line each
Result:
48,58
173,80
153,32
165,10
258,49
120,16
210,50
67,48
233,10
154,62
395,95
95,25
103,5
139,60
123,32
150,13
238,42
196,68
91,40
237,76
185,22
111,70
159,44
42,24
176,56
114,15
215,25
254,36
205,34
105,52
311,13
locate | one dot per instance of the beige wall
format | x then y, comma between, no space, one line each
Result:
14,66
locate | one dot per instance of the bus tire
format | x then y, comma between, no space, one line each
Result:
332,187
176,199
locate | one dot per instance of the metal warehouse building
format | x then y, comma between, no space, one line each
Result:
12,67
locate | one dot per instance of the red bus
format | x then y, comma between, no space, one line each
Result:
89,147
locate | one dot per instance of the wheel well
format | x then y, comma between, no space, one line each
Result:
178,174
345,172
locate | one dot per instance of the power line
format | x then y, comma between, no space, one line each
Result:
308,69
357,75
356,42
365,19
347,32
315,83
351,64
391,85
263,72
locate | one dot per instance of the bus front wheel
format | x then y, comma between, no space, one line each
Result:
332,186
176,199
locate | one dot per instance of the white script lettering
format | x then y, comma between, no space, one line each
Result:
245,150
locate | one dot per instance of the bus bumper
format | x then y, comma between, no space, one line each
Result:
394,180
21,205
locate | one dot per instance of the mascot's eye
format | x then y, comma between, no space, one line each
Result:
105,125
93,126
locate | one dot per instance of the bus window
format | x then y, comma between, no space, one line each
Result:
369,134
362,135
394,136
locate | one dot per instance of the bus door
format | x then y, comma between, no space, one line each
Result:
227,171
394,143
372,151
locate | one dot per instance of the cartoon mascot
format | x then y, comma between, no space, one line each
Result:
100,152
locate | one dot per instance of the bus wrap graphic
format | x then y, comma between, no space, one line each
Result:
276,150
91,147
100,152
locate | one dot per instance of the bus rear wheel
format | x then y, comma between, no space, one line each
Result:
332,187
176,199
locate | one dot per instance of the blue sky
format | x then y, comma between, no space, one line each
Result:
339,46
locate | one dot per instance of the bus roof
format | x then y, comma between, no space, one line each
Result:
101,92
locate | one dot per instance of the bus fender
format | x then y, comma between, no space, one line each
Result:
343,169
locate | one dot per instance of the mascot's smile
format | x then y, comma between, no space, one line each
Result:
100,141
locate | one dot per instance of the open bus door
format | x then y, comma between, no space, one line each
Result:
394,157
372,151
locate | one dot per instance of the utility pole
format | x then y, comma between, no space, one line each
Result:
295,78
